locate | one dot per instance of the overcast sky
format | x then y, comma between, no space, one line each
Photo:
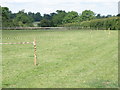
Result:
103,7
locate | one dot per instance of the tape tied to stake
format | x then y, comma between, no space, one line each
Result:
19,43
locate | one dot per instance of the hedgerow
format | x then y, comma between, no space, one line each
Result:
99,24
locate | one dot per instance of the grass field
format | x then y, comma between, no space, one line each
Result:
66,59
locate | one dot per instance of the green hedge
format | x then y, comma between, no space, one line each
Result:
99,24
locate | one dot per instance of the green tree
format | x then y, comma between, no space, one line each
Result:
58,18
71,17
98,16
87,15
108,16
6,21
23,19
37,17
44,23
47,16
118,15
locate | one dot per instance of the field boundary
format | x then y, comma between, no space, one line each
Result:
31,28
50,28
34,44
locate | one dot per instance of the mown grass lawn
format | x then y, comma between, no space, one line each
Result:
66,59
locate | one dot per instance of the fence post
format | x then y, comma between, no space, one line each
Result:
35,56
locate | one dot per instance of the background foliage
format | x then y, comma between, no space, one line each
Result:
87,19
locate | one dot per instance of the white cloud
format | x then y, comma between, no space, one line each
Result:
48,6
14,1
54,1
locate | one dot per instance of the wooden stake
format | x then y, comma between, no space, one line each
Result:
35,56
109,32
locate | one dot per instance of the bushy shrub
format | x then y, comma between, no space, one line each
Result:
111,23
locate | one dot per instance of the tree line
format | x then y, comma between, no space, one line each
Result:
58,18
